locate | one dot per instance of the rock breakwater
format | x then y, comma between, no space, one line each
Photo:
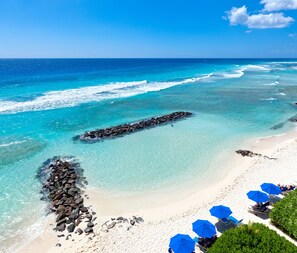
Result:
124,129
62,179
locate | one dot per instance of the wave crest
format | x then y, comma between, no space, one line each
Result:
74,97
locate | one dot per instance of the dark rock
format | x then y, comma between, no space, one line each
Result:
88,230
79,231
139,220
61,221
78,221
58,245
61,227
132,222
60,216
84,209
90,224
60,209
71,227
78,201
89,216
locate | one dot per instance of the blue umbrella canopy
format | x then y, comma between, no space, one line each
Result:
204,228
182,244
220,211
257,196
271,188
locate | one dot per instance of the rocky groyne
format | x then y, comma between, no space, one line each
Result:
124,129
62,180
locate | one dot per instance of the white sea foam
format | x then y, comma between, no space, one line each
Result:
236,74
272,84
73,97
251,67
281,94
285,62
241,71
269,99
12,143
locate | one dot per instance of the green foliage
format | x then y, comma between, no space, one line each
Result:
284,214
252,238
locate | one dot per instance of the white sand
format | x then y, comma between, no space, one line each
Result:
173,216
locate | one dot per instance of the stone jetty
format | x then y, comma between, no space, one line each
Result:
62,179
121,130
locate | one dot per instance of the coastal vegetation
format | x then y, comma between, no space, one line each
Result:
252,238
284,214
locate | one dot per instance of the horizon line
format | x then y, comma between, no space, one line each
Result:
158,58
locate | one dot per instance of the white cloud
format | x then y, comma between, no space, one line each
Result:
240,16
277,5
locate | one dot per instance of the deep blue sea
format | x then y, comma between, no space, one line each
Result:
45,102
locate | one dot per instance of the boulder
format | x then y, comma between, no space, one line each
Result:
79,231
71,227
60,216
88,230
61,227
90,224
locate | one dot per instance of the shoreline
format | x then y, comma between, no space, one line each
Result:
158,209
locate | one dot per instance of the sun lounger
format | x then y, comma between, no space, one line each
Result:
258,210
230,220
205,243
234,220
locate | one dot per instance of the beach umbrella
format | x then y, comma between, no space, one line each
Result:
271,188
257,196
182,244
204,228
220,211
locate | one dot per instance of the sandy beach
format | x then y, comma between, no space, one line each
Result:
165,218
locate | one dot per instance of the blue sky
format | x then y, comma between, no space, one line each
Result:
148,28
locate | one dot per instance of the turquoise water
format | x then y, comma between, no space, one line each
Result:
44,103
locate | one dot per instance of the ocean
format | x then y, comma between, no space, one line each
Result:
44,103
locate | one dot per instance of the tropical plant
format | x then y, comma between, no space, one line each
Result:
284,214
252,238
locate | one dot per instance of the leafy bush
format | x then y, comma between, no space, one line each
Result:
252,238
284,214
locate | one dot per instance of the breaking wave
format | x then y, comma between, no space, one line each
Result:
73,97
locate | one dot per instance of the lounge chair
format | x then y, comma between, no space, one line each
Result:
234,220
205,243
230,220
256,209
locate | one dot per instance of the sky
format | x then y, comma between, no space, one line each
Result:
148,28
